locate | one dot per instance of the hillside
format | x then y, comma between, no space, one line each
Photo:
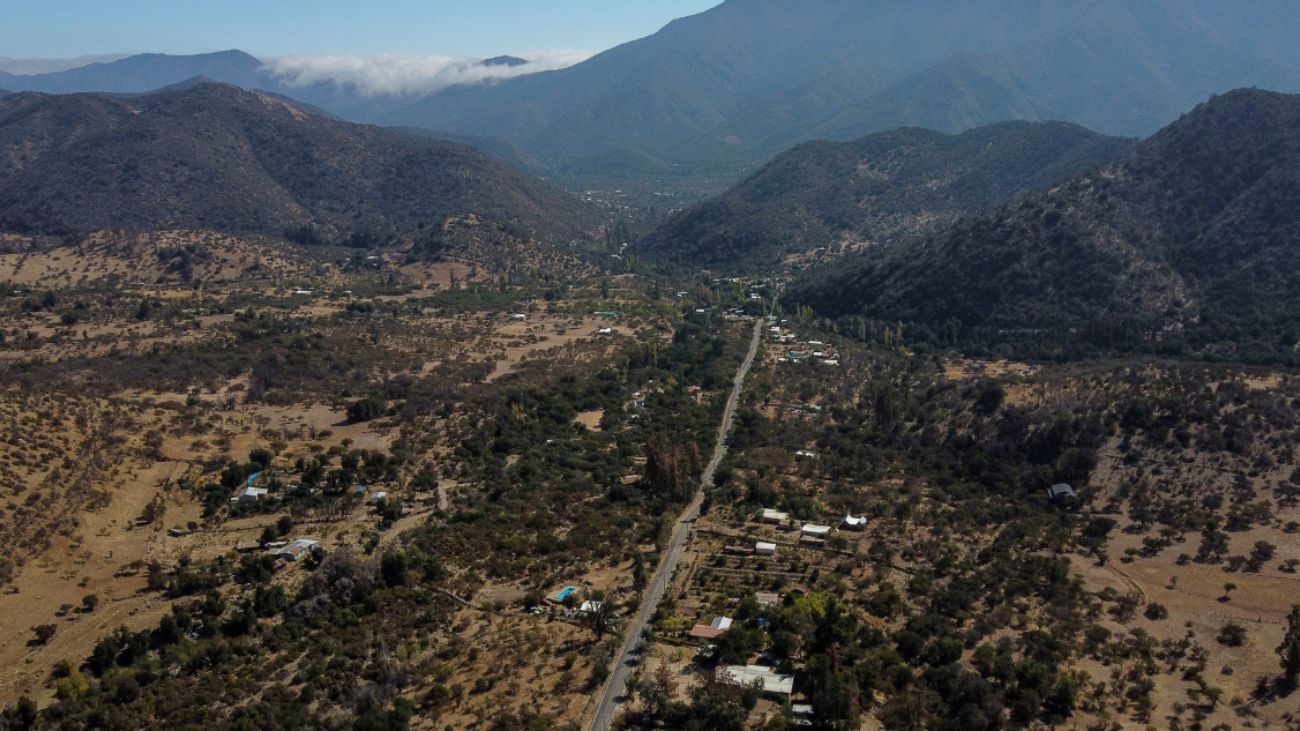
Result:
1187,243
213,156
734,85
874,190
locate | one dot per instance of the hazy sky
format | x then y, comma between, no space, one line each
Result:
266,28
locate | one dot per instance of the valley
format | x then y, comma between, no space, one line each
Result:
835,366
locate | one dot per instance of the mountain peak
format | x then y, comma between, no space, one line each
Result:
504,61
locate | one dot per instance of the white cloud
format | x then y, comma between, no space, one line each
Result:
410,73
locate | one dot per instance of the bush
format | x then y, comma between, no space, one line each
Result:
1232,635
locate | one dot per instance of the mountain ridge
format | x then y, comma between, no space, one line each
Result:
843,69
873,190
1187,242
215,156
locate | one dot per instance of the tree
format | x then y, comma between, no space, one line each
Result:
366,409
657,691
72,686
88,603
1232,635
393,568
599,615
1228,588
260,457
1289,651
44,633
154,511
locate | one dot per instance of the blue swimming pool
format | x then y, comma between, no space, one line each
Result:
253,477
564,593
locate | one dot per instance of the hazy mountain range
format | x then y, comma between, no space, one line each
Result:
51,65
728,88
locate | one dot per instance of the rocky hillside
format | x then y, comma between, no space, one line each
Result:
215,157
1190,242
873,190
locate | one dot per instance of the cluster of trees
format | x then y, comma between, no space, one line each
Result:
945,659
132,679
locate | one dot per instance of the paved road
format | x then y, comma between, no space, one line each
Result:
616,685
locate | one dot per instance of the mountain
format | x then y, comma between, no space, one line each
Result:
147,72
214,156
510,61
1189,242
873,190
734,85
49,65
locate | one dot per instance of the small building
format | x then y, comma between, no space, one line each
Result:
771,682
519,317
710,631
1061,492
813,530
605,331
251,494
376,497
854,522
607,314
767,598
764,548
805,454
832,362
588,606
776,517
297,549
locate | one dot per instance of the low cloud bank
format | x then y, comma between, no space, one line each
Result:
406,74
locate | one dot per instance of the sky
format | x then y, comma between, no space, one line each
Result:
280,28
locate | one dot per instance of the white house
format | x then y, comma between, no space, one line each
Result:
296,549
775,516
772,682
854,522
375,497
519,317
813,530
763,548
252,494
